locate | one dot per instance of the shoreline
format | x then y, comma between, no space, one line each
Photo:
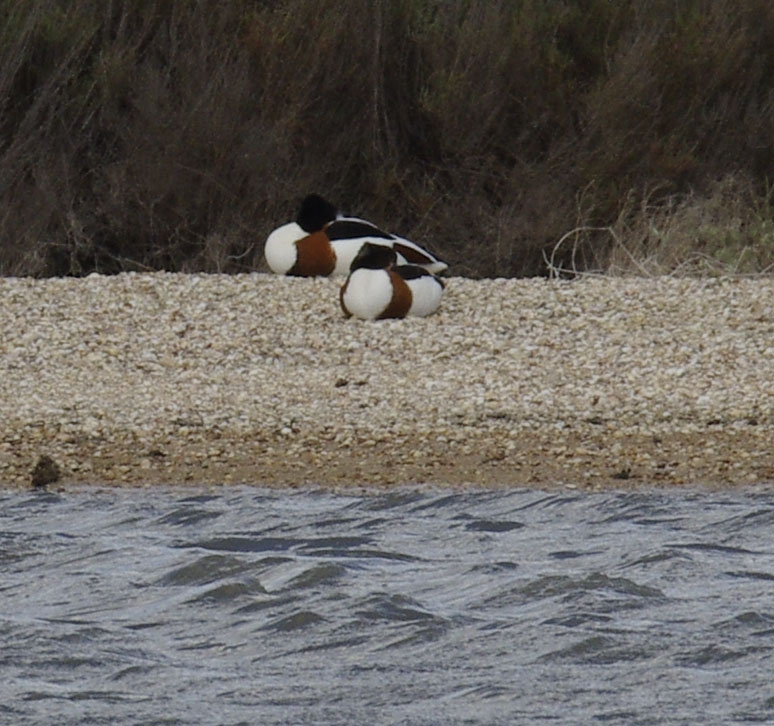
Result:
160,378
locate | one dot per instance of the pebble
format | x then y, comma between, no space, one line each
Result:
238,369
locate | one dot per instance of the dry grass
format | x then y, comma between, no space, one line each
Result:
174,134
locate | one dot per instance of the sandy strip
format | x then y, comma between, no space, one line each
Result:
142,379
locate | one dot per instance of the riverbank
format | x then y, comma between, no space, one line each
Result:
600,382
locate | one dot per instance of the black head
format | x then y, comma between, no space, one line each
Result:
374,257
315,213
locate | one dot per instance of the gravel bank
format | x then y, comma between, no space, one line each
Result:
147,378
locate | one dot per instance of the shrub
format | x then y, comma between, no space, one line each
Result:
175,134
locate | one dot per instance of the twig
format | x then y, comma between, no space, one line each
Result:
552,268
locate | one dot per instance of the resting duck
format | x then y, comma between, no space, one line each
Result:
377,288
323,242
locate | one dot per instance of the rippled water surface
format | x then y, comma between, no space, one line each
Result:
246,606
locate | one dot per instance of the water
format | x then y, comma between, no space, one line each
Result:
249,606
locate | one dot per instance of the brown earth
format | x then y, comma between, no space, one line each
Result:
593,458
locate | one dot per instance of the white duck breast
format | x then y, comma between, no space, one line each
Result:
367,293
426,289
280,250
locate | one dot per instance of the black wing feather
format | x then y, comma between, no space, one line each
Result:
413,272
352,229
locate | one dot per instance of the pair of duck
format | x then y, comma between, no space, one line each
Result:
387,276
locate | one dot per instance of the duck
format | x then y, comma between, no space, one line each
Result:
378,288
323,242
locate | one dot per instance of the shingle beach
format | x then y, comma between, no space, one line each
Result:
142,379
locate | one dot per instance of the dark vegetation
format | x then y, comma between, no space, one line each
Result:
600,135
